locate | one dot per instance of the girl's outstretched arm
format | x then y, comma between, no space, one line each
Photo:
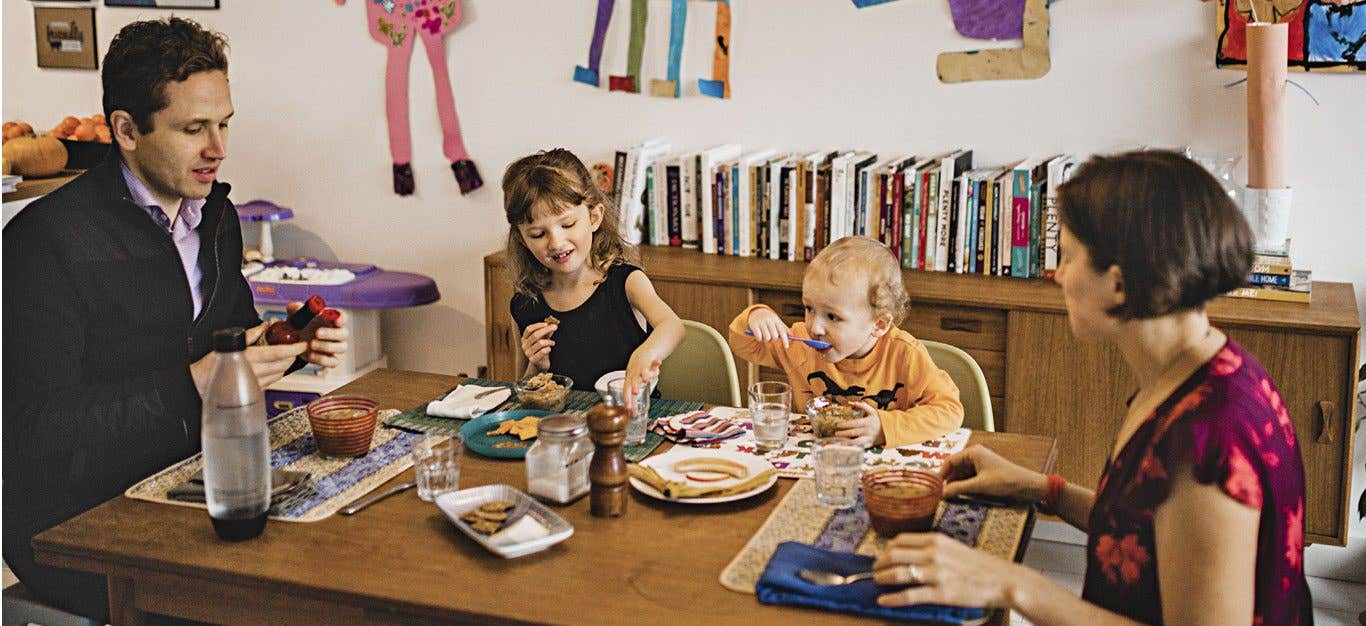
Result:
667,330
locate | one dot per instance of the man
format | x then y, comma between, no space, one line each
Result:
113,286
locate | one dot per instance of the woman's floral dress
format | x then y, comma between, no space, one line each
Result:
1228,423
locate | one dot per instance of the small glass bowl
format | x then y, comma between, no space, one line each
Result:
826,415
343,425
541,398
901,499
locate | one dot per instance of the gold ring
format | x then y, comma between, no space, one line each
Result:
913,573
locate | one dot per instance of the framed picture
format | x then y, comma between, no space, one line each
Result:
164,4
66,37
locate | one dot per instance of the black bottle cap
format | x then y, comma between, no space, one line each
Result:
229,340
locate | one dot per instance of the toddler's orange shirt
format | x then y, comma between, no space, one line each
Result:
916,400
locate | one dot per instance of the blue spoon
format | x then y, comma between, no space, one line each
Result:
819,345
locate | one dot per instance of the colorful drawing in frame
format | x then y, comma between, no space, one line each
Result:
164,4
1325,35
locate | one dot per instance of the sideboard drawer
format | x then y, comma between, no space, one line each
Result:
963,327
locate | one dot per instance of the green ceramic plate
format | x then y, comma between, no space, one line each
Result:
475,439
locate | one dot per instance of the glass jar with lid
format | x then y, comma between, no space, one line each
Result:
557,464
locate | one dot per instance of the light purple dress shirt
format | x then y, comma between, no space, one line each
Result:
182,232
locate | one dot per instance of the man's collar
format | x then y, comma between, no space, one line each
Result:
190,210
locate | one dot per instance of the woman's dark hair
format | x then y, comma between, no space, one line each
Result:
1166,222
145,56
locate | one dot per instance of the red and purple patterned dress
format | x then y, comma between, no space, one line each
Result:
1228,423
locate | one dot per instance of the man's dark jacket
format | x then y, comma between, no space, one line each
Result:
98,339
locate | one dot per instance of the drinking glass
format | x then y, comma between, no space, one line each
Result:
839,465
436,464
770,405
640,416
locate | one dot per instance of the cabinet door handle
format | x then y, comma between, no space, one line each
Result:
961,324
792,310
1327,416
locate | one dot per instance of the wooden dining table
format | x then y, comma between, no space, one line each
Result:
401,561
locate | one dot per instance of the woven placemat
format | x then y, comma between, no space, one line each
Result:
577,403
333,483
994,529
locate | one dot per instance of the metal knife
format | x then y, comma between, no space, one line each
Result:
376,496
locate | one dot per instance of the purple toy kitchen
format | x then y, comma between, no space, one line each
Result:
359,290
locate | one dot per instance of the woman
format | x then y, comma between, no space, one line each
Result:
1198,517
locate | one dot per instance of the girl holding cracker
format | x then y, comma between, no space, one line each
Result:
584,310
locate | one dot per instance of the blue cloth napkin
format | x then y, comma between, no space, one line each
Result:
781,585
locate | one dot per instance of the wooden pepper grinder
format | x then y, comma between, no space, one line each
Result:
607,473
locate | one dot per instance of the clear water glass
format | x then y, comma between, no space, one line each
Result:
838,463
640,416
770,406
436,465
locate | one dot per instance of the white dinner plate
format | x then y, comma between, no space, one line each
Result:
663,464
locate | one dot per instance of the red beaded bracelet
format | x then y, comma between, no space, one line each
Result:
1052,494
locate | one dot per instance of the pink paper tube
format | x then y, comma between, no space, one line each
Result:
1266,65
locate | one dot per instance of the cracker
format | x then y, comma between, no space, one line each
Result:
493,517
497,506
486,527
552,320
470,517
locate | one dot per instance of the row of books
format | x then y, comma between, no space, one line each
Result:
934,212
1275,278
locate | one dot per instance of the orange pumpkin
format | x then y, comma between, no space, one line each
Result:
16,129
35,156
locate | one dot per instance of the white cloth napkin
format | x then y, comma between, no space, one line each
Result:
461,403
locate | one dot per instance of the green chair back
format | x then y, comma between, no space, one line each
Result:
701,369
972,385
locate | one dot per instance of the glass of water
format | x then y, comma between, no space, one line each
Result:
436,464
770,405
640,417
839,465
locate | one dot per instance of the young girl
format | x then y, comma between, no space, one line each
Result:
583,309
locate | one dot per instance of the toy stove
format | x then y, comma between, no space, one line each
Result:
359,290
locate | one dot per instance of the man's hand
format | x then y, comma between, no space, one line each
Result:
326,340
268,363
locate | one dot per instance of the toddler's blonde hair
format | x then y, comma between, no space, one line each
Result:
886,291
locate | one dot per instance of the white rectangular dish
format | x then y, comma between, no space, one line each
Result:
502,543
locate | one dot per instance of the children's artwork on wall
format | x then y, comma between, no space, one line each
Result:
988,19
678,22
1325,35
398,25
164,4
589,75
65,37
640,16
985,19
718,86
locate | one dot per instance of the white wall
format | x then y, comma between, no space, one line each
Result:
308,87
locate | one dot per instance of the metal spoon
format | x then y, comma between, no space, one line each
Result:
817,577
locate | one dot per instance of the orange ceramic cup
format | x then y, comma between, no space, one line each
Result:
901,499
343,425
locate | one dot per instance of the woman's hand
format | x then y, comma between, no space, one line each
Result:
767,326
980,471
536,344
867,429
945,571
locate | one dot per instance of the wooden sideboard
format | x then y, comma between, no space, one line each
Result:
1042,380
